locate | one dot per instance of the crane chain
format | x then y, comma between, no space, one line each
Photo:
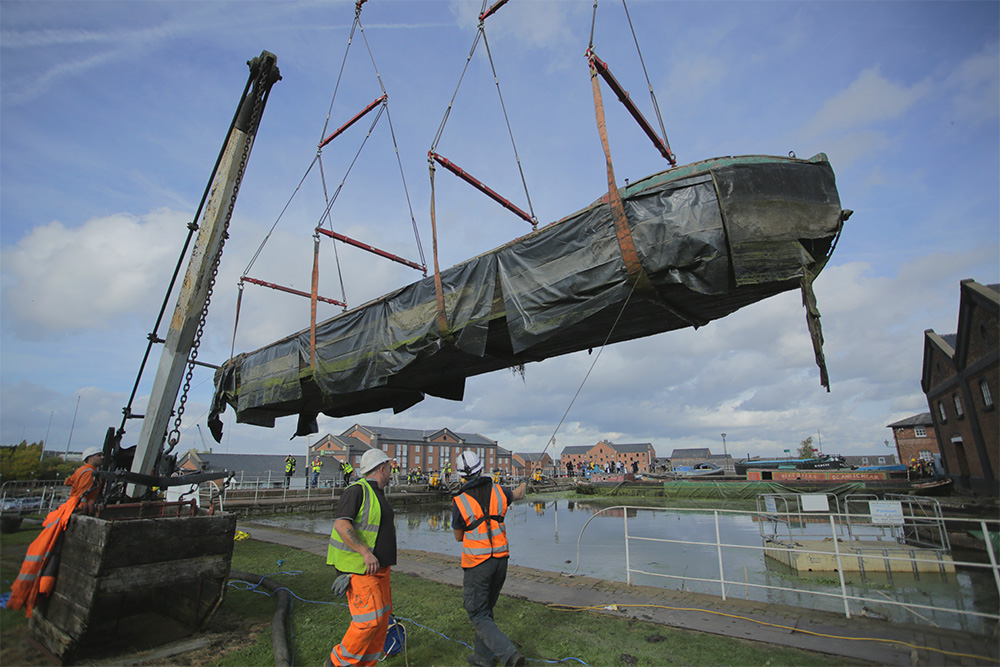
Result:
260,88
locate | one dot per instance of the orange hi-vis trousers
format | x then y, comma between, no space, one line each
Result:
369,598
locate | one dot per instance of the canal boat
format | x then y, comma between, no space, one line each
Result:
699,242
825,462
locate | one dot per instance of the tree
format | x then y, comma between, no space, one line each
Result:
22,462
806,450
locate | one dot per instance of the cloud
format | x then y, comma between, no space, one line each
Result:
870,99
974,87
59,280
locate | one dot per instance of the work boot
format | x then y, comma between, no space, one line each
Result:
516,660
476,661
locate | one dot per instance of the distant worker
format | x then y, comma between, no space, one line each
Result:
348,470
289,469
569,469
538,475
635,467
477,517
497,475
41,564
317,468
447,471
363,545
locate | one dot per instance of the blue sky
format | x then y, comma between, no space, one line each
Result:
112,113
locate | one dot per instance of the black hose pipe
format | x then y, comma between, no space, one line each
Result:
279,633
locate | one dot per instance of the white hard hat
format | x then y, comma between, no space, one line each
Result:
372,459
469,464
90,451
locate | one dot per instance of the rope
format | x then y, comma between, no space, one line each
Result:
594,363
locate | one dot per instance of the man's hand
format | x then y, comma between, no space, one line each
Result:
371,563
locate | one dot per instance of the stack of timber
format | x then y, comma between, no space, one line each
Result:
123,578
710,238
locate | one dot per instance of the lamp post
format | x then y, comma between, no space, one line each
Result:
724,450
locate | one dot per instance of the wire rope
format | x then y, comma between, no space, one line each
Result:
506,118
652,95
594,363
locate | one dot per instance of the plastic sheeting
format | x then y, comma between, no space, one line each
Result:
712,237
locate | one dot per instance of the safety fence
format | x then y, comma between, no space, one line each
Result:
888,539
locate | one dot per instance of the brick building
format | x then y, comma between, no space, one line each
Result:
915,438
960,378
413,448
605,452
532,461
692,456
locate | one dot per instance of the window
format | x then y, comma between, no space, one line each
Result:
864,460
987,397
944,416
958,405
920,431
925,455
881,460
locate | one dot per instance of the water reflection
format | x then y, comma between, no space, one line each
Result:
534,528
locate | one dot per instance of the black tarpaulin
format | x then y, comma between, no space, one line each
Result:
711,237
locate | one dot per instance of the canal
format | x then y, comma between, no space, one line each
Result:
552,533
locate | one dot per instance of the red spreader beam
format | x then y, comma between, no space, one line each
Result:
361,114
602,68
364,246
479,185
291,290
492,10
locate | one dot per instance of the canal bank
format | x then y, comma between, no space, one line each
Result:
859,638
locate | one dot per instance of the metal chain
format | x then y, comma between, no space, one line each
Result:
175,434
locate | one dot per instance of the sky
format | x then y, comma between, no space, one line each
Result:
112,114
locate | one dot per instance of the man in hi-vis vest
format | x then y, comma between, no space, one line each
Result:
363,544
477,514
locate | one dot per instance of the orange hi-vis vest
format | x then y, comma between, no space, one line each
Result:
485,535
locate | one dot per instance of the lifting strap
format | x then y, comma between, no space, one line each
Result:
637,275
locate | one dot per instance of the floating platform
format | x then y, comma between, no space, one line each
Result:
709,238
870,556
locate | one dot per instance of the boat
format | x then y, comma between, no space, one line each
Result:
704,469
825,462
707,239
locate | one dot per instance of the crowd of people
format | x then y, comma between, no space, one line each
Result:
609,468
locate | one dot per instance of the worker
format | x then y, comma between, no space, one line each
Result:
289,469
395,472
348,470
447,471
477,520
317,468
363,546
38,571
496,475
538,475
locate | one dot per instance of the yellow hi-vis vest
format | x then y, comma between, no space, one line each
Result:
366,523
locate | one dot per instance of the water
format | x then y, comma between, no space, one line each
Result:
545,535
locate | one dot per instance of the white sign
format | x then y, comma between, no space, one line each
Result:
770,505
886,512
814,502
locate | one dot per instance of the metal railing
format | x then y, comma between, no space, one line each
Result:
823,525
32,497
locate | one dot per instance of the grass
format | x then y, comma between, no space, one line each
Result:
436,623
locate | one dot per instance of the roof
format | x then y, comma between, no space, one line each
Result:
572,450
421,435
923,419
631,447
532,456
692,453
249,464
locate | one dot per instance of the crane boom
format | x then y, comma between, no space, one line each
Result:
195,291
